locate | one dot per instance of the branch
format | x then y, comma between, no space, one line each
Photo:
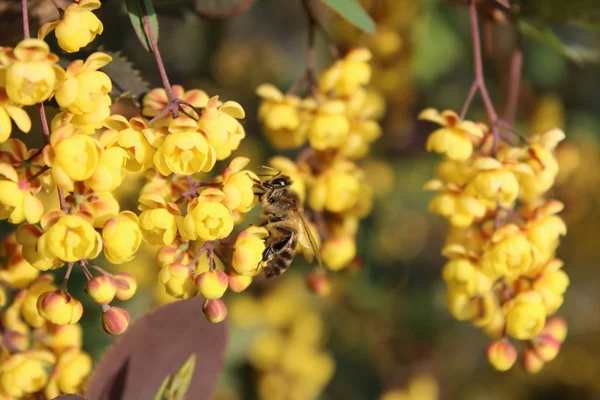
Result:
514,81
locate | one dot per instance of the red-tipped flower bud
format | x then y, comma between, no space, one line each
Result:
102,289
557,328
531,362
502,354
215,310
238,283
318,282
546,347
126,285
115,320
212,284
59,307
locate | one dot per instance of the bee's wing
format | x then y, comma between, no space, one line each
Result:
311,238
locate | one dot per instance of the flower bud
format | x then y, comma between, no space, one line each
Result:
59,307
531,362
115,320
238,283
502,354
212,284
338,252
319,283
215,310
557,328
546,347
126,285
102,289
15,341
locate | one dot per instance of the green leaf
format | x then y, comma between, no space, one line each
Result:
175,386
575,53
136,16
353,13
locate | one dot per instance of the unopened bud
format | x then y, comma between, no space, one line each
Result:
318,282
59,307
115,320
238,283
102,289
546,347
531,362
212,284
126,285
215,310
502,355
557,328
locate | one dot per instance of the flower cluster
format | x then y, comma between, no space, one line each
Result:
420,387
502,273
334,127
287,351
39,355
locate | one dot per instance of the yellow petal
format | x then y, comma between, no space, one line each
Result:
47,28
233,108
96,61
269,92
89,5
20,117
433,115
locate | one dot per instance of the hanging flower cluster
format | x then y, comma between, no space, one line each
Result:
334,126
502,272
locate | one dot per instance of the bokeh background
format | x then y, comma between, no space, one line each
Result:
384,332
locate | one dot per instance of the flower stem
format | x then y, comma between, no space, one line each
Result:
25,18
63,285
514,82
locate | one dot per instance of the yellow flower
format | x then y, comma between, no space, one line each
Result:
348,74
238,186
509,254
455,139
330,127
185,150
29,309
525,315
207,218
465,274
69,374
493,182
248,249
158,220
545,228
84,90
9,110
338,252
551,284
363,128
178,280
336,190
212,284
29,73
63,337
502,355
110,172
156,100
122,237
77,28
102,207
70,238
460,209
73,157
25,373
17,204
15,271
220,122
28,236
462,305
540,158
59,307
281,118
134,137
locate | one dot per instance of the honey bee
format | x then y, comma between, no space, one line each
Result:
282,217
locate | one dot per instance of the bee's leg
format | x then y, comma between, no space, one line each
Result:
271,220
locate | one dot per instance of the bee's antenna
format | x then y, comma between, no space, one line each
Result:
270,168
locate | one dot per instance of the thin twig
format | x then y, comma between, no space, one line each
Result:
62,201
37,174
25,19
97,268
514,81
63,285
58,7
86,271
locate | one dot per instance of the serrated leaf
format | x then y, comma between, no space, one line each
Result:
575,53
222,8
175,386
353,12
155,346
136,16
124,75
